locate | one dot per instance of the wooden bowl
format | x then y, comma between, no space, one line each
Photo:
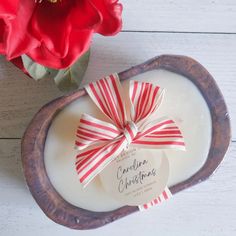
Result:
64,213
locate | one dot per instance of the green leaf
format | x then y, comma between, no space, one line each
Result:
65,79
37,71
70,78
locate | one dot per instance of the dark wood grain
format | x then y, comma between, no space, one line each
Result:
62,212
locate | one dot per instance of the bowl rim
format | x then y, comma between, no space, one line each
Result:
33,143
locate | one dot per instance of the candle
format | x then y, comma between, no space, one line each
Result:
182,102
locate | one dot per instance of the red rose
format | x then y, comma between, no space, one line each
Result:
55,34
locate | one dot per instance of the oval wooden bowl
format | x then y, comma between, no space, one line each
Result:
64,213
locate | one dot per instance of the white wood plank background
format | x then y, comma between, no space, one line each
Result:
182,15
204,30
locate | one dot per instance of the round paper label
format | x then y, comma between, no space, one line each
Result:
136,176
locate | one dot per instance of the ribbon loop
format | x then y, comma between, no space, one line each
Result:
93,131
107,95
145,99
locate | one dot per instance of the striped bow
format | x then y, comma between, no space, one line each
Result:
101,142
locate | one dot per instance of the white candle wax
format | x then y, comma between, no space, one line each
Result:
182,101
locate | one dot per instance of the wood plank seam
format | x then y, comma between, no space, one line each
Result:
177,32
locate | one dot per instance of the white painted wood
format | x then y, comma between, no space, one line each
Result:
206,209
22,97
181,15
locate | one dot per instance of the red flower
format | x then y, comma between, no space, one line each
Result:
55,34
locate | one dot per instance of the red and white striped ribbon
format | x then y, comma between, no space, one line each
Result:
165,195
100,142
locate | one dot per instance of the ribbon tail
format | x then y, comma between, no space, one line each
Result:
90,163
164,196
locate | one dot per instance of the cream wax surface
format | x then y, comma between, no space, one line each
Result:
182,102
